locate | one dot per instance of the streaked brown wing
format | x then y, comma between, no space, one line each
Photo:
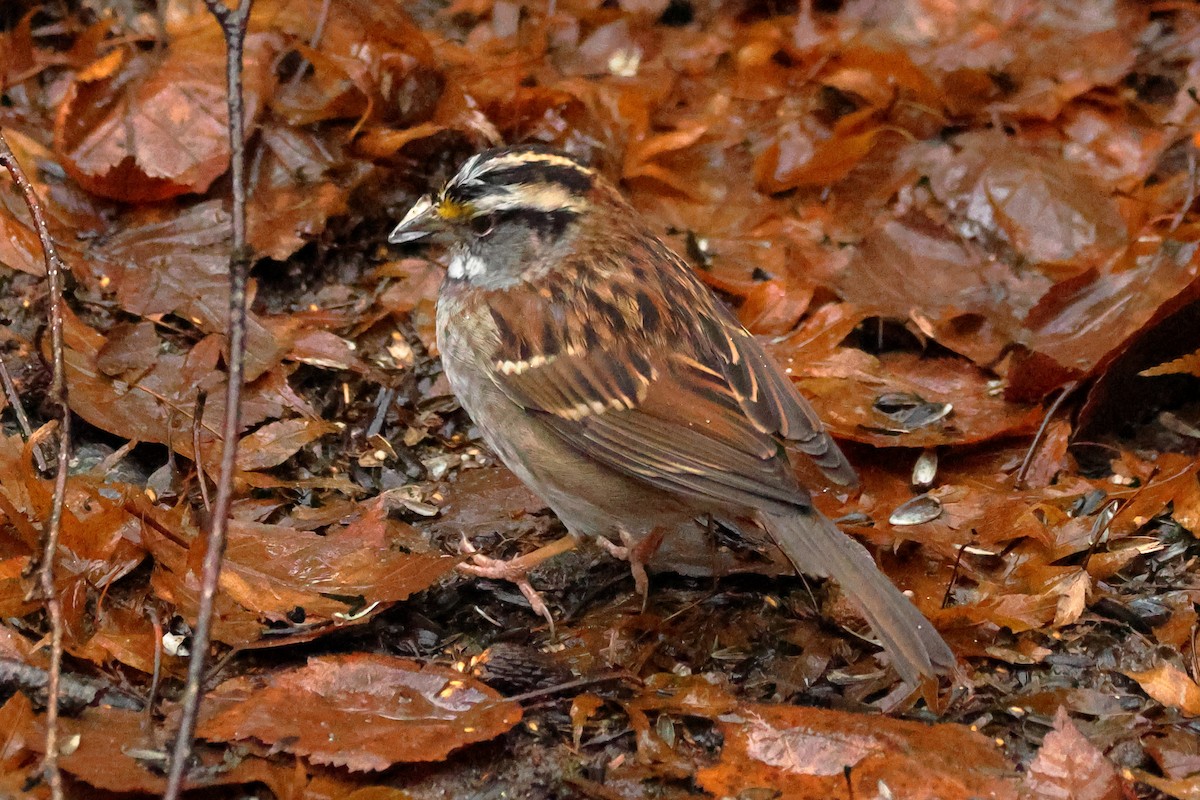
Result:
769,398
687,432
651,375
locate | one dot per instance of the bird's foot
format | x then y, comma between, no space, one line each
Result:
637,552
516,570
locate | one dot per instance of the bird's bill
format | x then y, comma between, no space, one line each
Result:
421,220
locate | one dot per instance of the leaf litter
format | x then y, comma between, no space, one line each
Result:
938,217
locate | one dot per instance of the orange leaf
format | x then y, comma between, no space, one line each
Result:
153,125
1170,686
803,753
1071,768
1189,365
360,711
276,442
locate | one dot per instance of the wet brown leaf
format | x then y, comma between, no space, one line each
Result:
276,442
1069,767
811,753
144,125
912,269
847,385
1083,323
176,260
363,712
479,497
797,157
273,570
1170,686
1050,212
16,721
69,212
297,180
371,63
158,406
115,752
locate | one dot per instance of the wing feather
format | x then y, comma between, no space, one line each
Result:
700,410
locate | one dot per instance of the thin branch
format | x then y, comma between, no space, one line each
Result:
197,416
58,393
234,24
954,575
75,691
156,676
14,400
1023,472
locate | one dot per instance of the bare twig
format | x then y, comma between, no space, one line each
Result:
58,392
197,416
156,676
234,23
384,402
953,575
313,41
75,691
14,400
569,686
1099,529
1023,472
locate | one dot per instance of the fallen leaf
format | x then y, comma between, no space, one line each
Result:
1186,365
276,442
363,712
271,570
1170,686
158,406
1072,598
847,385
1050,212
115,752
143,125
298,180
802,753
170,260
1069,767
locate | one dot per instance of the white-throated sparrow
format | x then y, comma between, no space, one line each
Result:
612,382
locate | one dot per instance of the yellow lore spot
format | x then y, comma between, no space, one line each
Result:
449,209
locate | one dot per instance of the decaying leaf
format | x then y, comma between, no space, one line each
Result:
276,442
813,753
363,712
139,126
1069,767
1189,364
1170,686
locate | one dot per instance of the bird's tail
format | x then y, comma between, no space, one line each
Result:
818,547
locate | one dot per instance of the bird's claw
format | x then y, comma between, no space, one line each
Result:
514,571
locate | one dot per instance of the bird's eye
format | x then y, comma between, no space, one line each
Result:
483,225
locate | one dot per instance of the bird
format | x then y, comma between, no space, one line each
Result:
622,391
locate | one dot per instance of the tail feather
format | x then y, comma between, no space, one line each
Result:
817,547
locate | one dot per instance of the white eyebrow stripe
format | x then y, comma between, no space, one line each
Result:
536,197
548,159
468,168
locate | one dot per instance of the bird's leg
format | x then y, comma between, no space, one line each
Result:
516,570
637,553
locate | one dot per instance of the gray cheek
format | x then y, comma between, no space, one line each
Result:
496,261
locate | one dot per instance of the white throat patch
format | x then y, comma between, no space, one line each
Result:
464,265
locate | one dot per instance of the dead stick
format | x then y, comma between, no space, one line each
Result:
14,400
58,392
1023,472
197,416
233,26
